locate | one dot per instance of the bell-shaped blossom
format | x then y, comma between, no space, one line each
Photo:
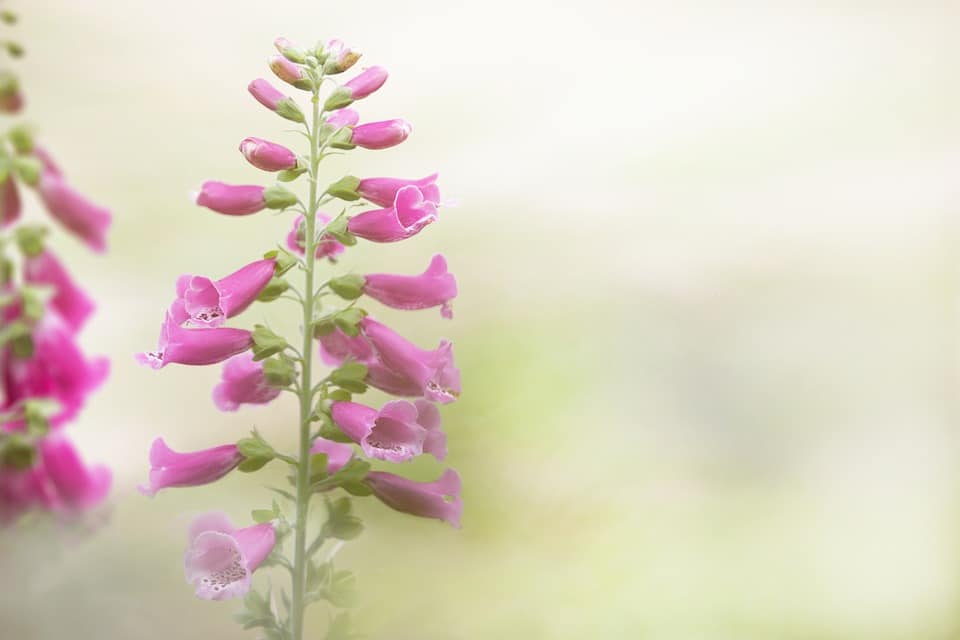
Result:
208,303
267,155
435,287
439,499
171,469
76,486
265,93
397,432
410,213
10,205
383,191
380,135
338,454
342,118
327,246
433,372
243,382
287,70
368,81
86,220
194,346
73,305
220,559
231,199
56,370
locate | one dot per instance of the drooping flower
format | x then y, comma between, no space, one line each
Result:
380,135
439,499
327,246
172,469
342,118
194,346
383,191
69,300
435,287
85,219
10,205
56,370
397,432
368,81
76,486
209,303
231,200
410,213
220,559
267,155
433,372
243,382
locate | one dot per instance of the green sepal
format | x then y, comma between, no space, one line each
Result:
350,376
266,343
355,471
279,197
338,229
257,612
266,515
342,591
318,575
345,188
348,320
256,451
35,416
288,108
17,452
339,628
340,98
29,239
330,431
349,286
17,334
285,260
341,523
274,289
339,395
28,168
289,175
342,139
15,49
21,138
9,17
31,304
6,270
294,55
279,371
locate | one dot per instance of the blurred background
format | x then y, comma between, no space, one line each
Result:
707,257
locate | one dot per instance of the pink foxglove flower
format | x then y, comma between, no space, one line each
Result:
410,213
231,200
383,191
343,118
287,71
435,287
327,247
266,94
366,82
380,135
73,305
209,303
433,372
396,433
172,469
10,205
85,219
439,499
57,370
267,155
194,346
220,559
243,382
76,486
338,454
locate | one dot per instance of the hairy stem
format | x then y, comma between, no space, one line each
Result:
301,556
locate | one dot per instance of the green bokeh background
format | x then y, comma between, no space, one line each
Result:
707,321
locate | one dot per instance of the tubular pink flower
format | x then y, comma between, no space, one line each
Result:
433,372
57,370
220,559
73,305
231,200
383,191
76,485
439,499
327,247
381,135
209,303
343,118
367,82
286,70
336,347
242,382
394,433
410,213
194,346
267,155
435,287
265,93
85,219
10,205
172,469
338,454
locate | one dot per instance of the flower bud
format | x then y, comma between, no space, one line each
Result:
267,155
289,51
290,73
339,57
367,82
267,95
231,200
343,118
380,135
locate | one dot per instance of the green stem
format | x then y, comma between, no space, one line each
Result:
301,557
